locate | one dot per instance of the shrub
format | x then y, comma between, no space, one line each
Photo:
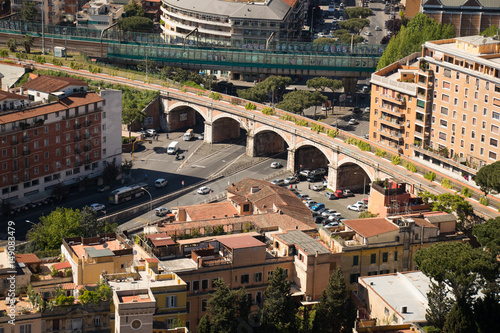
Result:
35,278
446,183
380,152
184,90
287,117
484,201
365,146
396,160
4,53
69,273
410,166
54,272
56,62
466,192
235,101
317,128
250,106
430,176
268,111
351,141
215,96
302,123
40,59
332,133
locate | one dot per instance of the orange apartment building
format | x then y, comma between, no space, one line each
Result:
55,132
441,105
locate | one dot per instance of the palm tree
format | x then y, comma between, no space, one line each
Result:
12,44
28,43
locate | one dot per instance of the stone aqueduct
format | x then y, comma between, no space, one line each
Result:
267,135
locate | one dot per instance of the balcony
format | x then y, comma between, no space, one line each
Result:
397,100
26,152
14,142
395,111
391,122
88,161
26,139
78,151
15,168
77,126
87,123
87,135
78,138
78,164
87,148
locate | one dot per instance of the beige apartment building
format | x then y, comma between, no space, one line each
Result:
441,105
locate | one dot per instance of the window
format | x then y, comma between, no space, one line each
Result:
386,311
464,117
68,137
495,115
58,127
471,147
246,207
481,151
385,256
355,260
269,275
58,139
213,282
395,255
25,328
482,137
476,95
443,123
486,98
204,284
474,120
58,151
493,142
196,285
446,85
462,143
492,155
442,136
433,119
171,301
456,88
46,155
466,92
97,321
373,258
483,125
354,278
444,110
454,114
473,134
465,105
258,277
103,127
494,129
204,305
188,285
245,278
188,307
445,98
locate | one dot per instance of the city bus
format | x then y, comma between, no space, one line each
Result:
127,193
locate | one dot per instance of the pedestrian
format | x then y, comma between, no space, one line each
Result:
309,186
167,136
296,187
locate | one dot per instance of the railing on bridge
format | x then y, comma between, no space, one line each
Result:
260,59
117,36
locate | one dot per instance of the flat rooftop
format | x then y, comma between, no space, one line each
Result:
135,298
144,282
402,289
111,245
180,265
308,244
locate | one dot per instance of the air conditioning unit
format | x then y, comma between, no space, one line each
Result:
308,298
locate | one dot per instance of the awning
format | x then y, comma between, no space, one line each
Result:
296,290
94,175
70,182
37,196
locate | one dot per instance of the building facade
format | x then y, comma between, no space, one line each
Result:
56,136
441,105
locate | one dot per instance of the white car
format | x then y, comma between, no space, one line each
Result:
368,33
334,217
328,212
204,190
290,180
318,187
367,109
353,122
332,224
151,132
305,173
160,182
278,182
303,196
97,207
276,165
378,28
311,203
356,207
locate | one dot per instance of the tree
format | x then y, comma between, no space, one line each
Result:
354,24
297,101
49,232
60,191
486,310
132,115
450,203
255,94
488,178
488,235
12,45
491,31
29,12
264,90
204,325
420,29
335,313
278,313
439,304
325,41
133,9
460,319
89,223
110,172
322,83
126,167
348,38
28,43
317,98
361,12
136,24
460,267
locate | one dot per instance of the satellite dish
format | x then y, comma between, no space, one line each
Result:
105,245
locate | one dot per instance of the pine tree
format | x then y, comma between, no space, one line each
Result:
439,304
460,319
222,308
335,312
204,324
279,309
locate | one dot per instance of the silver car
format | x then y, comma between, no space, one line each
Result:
278,182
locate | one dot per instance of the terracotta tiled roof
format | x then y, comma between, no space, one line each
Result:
50,84
209,211
8,95
371,227
28,258
65,103
68,286
241,242
269,196
290,3
61,265
152,260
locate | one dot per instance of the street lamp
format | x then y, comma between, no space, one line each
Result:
150,206
27,221
364,182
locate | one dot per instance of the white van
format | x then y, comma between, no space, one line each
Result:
173,147
161,183
188,135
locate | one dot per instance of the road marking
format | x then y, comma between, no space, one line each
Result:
198,166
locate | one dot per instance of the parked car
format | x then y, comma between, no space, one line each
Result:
305,173
160,182
356,109
332,224
319,219
339,194
204,190
367,109
317,207
313,178
328,212
290,180
97,207
356,207
162,211
201,136
330,195
348,193
103,188
311,203
319,171
151,132
278,182
353,122
276,165
318,187
334,217
318,212
302,196
377,28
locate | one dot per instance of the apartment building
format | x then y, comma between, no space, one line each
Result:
56,132
386,245
247,22
52,10
99,14
441,105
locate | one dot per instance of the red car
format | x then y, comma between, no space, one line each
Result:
339,194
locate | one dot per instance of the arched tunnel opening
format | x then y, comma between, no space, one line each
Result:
184,117
352,176
310,158
268,143
228,130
